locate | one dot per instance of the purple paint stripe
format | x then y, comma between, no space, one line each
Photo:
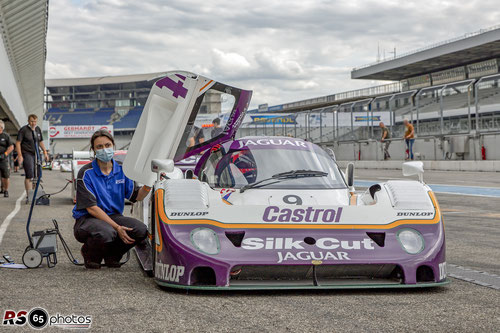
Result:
176,87
181,77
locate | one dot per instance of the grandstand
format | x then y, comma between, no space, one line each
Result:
448,89
100,101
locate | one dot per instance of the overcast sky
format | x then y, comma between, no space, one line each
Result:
282,50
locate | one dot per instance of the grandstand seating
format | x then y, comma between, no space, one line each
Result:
130,120
81,117
103,116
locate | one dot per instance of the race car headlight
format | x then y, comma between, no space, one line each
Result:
411,241
205,240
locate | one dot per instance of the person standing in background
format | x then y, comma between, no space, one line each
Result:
385,139
409,137
15,160
25,146
6,147
217,129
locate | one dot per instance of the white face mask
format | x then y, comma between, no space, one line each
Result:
105,154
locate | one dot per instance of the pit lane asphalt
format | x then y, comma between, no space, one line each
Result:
125,300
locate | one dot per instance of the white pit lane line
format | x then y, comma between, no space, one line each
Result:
6,221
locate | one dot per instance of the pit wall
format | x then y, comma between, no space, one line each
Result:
67,146
472,166
426,149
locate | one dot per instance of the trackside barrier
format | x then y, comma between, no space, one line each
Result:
472,166
452,147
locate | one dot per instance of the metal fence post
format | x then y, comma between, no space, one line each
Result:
392,114
476,103
352,124
441,109
321,125
337,125
469,120
371,119
308,131
417,130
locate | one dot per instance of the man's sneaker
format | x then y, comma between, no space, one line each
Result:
112,262
6,194
27,200
1,190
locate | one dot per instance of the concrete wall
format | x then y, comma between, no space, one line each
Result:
66,146
424,149
487,166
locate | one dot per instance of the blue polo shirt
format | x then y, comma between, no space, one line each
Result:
108,192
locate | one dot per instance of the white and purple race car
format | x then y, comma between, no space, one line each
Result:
269,212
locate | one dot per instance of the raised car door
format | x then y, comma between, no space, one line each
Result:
180,120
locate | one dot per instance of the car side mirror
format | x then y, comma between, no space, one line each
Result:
414,168
162,166
350,176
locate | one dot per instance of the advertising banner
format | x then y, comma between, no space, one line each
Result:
76,131
270,119
316,119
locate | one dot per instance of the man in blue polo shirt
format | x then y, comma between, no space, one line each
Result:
101,190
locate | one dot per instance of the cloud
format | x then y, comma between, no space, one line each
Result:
284,51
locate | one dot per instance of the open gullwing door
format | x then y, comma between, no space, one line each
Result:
180,119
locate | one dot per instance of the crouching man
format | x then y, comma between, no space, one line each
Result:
102,188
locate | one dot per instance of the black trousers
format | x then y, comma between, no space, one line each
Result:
101,241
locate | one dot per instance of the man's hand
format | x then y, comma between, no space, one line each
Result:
20,159
46,156
122,233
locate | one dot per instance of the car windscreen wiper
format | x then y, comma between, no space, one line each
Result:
293,174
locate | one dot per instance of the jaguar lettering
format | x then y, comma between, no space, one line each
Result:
307,256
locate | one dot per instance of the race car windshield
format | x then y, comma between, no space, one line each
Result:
240,168
285,176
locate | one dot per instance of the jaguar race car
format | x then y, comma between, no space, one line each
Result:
269,212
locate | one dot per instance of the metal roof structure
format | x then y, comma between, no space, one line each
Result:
470,48
23,26
90,81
